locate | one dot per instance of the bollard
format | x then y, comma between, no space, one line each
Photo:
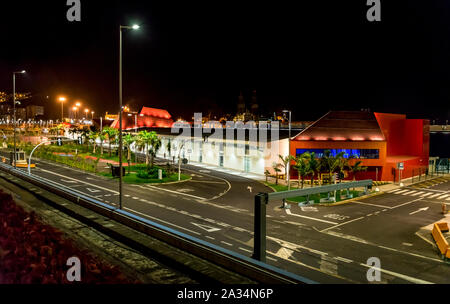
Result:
259,243
444,208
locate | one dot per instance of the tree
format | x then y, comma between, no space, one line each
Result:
144,140
276,167
111,134
314,167
356,168
93,137
330,163
128,140
284,163
155,145
267,174
102,137
302,167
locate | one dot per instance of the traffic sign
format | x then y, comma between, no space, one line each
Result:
400,166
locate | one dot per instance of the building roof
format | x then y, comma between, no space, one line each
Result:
156,113
343,126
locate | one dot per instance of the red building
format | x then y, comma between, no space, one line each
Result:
147,118
381,141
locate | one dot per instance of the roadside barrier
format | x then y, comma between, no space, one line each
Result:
439,238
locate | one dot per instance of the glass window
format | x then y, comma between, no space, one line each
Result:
356,153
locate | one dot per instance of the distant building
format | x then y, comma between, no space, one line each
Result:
147,118
383,142
33,112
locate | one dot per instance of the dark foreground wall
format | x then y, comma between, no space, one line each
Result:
440,144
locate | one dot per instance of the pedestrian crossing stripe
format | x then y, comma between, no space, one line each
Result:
409,192
444,196
426,194
418,193
401,191
434,195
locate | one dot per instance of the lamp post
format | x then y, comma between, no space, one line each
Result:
289,152
62,100
14,111
75,110
121,27
92,115
87,114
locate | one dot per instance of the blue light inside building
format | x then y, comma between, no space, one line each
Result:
356,153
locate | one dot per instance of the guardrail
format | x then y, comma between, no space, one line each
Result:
262,199
253,269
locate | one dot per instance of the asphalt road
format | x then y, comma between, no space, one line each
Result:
325,244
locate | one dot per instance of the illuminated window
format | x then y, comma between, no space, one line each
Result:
356,153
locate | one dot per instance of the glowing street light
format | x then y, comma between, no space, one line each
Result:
14,106
121,27
62,100
92,115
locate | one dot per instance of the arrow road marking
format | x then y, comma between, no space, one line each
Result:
206,227
92,190
421,209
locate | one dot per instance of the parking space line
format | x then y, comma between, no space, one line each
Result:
369,204
311,218
354,220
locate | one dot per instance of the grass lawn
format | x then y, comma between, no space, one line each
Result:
315,197
132,178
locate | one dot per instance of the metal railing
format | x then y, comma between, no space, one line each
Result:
262,199
248,267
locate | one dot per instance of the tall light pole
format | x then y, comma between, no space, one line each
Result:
62,100
92,115
289,152
14,110
87,114
121,27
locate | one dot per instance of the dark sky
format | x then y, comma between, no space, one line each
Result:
309,56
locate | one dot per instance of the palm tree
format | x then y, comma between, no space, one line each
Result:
276,167
284,163
314,167
111,134
356,168
329,162
93,136
267,174
144,140
155,145
302,167
102,137
128,140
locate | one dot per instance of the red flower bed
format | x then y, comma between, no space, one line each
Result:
34,253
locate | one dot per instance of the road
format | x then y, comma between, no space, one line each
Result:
325,244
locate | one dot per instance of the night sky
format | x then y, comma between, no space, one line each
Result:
308,56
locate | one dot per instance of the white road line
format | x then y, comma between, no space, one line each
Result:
209,237
357,219
343,259
226,243
444,196
368,204
418,199
87,183
426,194
272,259
434,195
448,199
159,220
409,192
311,218
175,192
406,190
398,275
393,191
246,250
418,193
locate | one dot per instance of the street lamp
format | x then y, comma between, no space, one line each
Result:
92,115
14,107
87,113
62,100
121,27
289,152
75,110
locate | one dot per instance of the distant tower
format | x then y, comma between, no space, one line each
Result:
241,104
254,106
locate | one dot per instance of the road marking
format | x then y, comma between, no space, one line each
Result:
426,194
398,275
418,199
369,204
226,243
402,191
176,192
92,190
434,195
206,227
357,219
160,220
418,193
343,259
444,196
87,183
69,181
272,259
209,237
421,209
311,218
205,182
246,250
409,192
407,244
